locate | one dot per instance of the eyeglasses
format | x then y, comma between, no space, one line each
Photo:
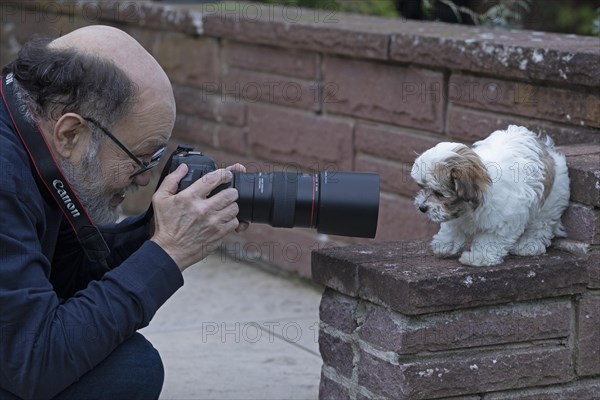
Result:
142,165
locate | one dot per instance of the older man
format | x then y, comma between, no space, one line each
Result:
67,326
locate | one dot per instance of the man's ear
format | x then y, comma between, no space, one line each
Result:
70,137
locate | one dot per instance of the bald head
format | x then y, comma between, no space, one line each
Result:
125,52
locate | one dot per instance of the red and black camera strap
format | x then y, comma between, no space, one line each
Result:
51,180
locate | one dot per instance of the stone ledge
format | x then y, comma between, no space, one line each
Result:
465,329
141,13
406,277
584,171
512,53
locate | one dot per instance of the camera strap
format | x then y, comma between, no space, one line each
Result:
52,179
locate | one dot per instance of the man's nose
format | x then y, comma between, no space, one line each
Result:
142,179
423,208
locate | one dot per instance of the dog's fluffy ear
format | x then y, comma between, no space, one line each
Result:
468,175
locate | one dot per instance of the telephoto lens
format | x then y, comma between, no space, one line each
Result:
336,203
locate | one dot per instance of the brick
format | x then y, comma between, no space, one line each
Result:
406,277
337,310
309,140
148,38
584,173
189,129
593,266
299,28
394,177
469,125
276,60
231,138
587,389
194,130
189,61
492,94
336,353
464,329
588,339
468,374
472,125
387,93
335,272
331,390
19,22
23,22
398,144
399,219
582,223
580,149
212,106
520,54
254,86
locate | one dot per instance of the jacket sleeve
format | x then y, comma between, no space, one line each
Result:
46,343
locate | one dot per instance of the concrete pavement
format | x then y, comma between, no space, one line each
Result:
236,331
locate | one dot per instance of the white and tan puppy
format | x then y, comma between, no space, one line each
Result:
505,194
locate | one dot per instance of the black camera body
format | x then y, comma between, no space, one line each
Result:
333,202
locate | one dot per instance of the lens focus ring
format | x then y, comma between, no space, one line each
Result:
285,189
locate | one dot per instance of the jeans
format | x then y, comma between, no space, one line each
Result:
133,370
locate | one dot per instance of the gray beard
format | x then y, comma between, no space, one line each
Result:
89,184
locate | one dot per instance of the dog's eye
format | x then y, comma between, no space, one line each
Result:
438,194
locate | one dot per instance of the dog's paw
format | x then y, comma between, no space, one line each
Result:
447,243
478,259
443,249
529,248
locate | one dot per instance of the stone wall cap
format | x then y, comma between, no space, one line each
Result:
406,277
521,54
513,53
146,14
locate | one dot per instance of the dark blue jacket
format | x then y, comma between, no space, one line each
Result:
60,315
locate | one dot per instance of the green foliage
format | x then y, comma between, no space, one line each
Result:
501,13
580,19
384,8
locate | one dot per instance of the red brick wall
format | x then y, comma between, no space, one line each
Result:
288,88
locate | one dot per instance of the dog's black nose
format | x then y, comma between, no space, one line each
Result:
423,208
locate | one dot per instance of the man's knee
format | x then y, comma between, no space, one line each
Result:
141,368
133,370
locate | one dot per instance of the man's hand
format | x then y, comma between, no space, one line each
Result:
189,225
